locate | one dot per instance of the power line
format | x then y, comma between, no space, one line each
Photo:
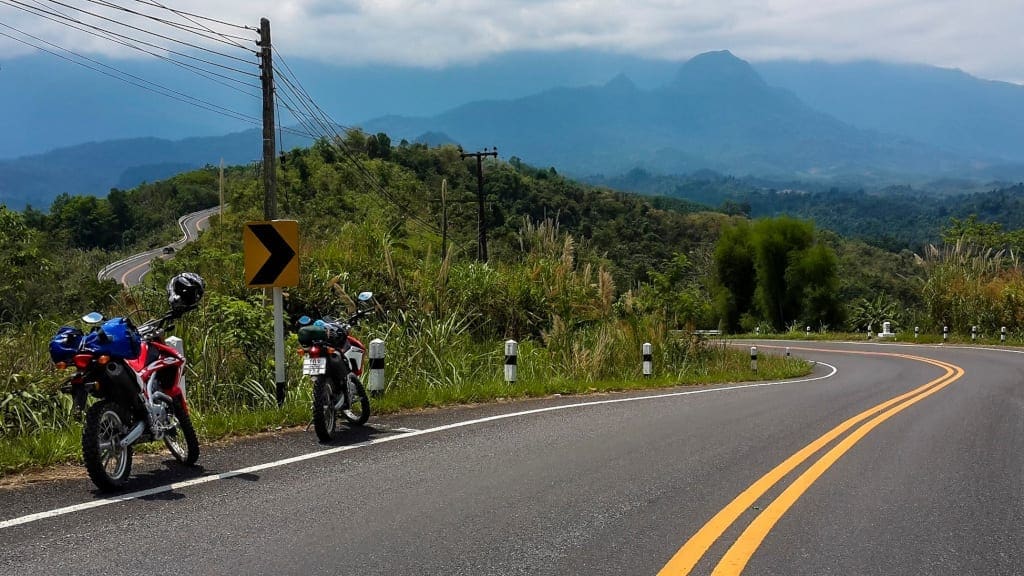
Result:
209,75
183,13
140,83
158,35
189,16
54,16
316,114
184,27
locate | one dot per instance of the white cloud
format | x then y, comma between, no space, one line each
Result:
982,38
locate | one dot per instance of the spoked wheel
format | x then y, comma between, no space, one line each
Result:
108,463
357,409
182,440
325,419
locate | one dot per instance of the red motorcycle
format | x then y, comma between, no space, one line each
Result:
139,379
333,359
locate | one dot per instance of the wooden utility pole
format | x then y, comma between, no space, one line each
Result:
269,144
270,194
481,251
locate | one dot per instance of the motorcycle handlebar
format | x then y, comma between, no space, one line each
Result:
157,326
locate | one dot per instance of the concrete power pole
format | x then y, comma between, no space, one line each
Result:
481,252
270,194
444,219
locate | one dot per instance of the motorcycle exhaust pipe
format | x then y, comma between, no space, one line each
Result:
133,435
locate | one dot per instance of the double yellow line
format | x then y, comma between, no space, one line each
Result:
736,558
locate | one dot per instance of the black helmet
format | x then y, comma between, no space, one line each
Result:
185,290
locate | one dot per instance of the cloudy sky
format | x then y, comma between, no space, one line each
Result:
982,37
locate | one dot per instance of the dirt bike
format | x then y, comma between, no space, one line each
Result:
333,359
138,378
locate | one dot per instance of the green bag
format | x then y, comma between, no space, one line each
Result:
311,334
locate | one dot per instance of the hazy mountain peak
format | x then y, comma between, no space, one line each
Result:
621,82
716,69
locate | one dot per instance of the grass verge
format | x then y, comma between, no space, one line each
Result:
48,447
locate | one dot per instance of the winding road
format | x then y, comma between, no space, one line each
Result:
131,270
888,459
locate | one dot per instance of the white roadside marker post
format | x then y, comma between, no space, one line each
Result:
376,384
511,352
648,360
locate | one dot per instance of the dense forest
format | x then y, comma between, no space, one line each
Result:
894,218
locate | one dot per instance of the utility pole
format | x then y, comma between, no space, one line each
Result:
481,252
269,144
444,219
270,193
222,188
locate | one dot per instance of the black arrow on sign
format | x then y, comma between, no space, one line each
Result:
281,254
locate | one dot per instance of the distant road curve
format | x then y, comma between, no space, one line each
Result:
131,270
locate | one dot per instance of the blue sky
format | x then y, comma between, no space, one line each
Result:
981,37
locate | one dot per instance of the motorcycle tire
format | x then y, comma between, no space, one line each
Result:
357,408
188,452
108,464
325,419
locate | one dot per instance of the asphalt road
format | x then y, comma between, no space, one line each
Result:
910,461
131,270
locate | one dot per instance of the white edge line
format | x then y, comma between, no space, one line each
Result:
329,451
930,345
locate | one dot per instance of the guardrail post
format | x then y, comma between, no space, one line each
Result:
648,360
376,382
753,358
1002,334
511,352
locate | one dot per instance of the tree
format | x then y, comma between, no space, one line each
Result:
775,240
734,274
378,146
774,270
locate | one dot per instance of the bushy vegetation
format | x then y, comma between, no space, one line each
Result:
580,276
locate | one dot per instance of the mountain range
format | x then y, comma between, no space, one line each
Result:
862,122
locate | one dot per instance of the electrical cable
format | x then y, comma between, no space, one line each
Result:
158,35
53,16
188,16
184,27
290,83
183,13
162,90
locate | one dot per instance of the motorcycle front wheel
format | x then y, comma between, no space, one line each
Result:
325,420
107,462
357,409
182,440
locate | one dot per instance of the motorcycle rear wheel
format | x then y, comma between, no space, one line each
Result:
325,419
186,452
357,409
109,464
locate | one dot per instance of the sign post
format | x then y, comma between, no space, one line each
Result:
271,261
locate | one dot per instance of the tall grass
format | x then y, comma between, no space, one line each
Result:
444,323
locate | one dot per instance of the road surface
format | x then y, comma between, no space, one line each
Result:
131,270
889,459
